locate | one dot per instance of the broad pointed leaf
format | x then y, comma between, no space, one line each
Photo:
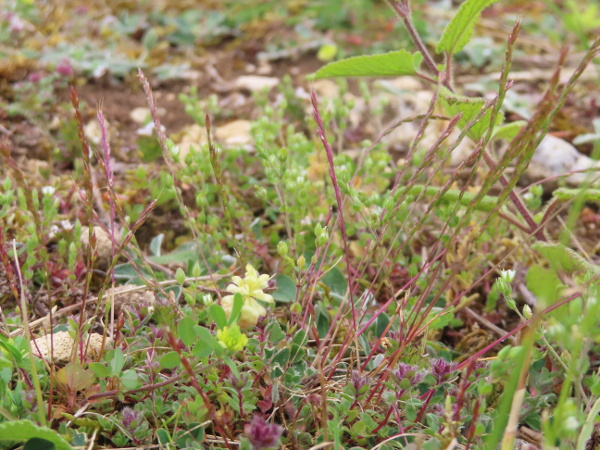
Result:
390,64
459,30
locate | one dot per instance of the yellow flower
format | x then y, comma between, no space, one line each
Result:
232,338
251,289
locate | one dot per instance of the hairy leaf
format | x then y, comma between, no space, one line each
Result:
20,430
383,65
459,30
469,108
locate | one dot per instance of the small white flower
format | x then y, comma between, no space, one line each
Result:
508,275
48,190
571,423
53,231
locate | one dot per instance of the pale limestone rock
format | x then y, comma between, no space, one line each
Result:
326,89
129,300
255,83
62,344
92,131
140,115
103,246
235,134
194,135
554,157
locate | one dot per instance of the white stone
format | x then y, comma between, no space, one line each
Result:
235,134
193,136
92,131
103,246
140,115
555,157
326,89
62,343
256,83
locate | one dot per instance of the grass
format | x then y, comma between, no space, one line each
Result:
301,295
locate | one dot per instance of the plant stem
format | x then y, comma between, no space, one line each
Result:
34,374
403,12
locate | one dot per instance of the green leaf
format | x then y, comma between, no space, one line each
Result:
509,131
170,360
75,376
207,339
116,361
390,64
217,314
201,350
459,30
163,436
381,324
286,289
469,108
301,338
128,273
322,324
156,244
238,304
298,346
129,379
336,281
275,332
565,259
21,430
100,370
544,283
282,357
441,321
231,364
587,194
38,444
186,332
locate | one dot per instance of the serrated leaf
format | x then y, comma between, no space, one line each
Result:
509,131
170,360
390,64
469,108
186,332
565,259
275,332
441,320
20,430
459,30
286,289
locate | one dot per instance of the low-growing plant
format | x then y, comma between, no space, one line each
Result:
321,297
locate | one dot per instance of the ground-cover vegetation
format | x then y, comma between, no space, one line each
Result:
232,250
